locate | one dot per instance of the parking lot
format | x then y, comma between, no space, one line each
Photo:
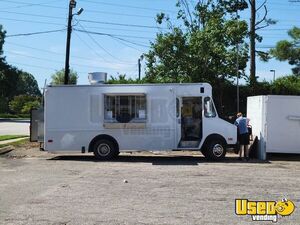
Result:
141,188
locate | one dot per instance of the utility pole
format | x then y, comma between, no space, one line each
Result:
139,65
72,5
237,67
252,42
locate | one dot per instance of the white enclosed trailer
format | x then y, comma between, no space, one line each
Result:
107,119
275,120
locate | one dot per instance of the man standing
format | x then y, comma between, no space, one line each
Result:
243,135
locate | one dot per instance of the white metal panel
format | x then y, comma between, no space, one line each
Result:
275,120
283,127
71,122
216,125
257,115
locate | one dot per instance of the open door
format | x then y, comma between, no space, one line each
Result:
37,125
190,122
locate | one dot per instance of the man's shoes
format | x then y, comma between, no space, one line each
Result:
247,159
240,159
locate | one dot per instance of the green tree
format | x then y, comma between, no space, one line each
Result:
2,37
122,79
289,50
22,103
287,85
59,76
201,47
30,105
13,82
27,84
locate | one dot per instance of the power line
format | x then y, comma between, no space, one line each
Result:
87,11
116,35
100,46
40,67
96,52
57,53
117,29
35,33
55,61
120,24
127,45
110,35
26,4
29,65
131,42
119,14
42,50
33,57
92,49
32,21
129,6
35,15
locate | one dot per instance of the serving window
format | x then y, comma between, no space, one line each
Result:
125,108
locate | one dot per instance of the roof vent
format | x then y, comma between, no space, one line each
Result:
97,78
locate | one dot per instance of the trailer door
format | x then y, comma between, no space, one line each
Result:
189,119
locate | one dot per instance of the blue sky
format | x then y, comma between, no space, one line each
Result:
43,54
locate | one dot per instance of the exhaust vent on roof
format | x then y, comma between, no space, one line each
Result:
97,78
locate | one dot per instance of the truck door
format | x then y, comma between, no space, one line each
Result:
190,122
178,121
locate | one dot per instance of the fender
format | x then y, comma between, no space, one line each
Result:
103,136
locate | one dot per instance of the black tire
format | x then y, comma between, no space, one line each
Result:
116,154
203,151
104,149
215,150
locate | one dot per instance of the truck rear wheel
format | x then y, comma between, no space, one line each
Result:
104,149
215,150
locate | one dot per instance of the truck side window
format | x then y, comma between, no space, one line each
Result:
209,109
125,109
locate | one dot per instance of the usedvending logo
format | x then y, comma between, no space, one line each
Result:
264,210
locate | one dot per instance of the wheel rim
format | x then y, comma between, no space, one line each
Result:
218,150
103,149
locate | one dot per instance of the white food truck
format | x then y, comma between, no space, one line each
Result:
107,119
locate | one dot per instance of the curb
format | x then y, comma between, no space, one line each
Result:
5,119
6,149
14,119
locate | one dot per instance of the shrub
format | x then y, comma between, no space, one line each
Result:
22,104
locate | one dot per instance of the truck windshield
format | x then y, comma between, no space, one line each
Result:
209,109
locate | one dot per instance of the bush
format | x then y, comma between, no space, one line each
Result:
288,85
30,105
23,103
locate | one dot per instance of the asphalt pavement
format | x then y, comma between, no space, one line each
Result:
140,189
10,127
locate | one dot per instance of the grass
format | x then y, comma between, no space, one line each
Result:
9,137
14,116
16,143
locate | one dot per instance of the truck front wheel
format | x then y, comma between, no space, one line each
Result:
215,150
104,149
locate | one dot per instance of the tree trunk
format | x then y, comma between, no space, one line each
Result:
252,44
